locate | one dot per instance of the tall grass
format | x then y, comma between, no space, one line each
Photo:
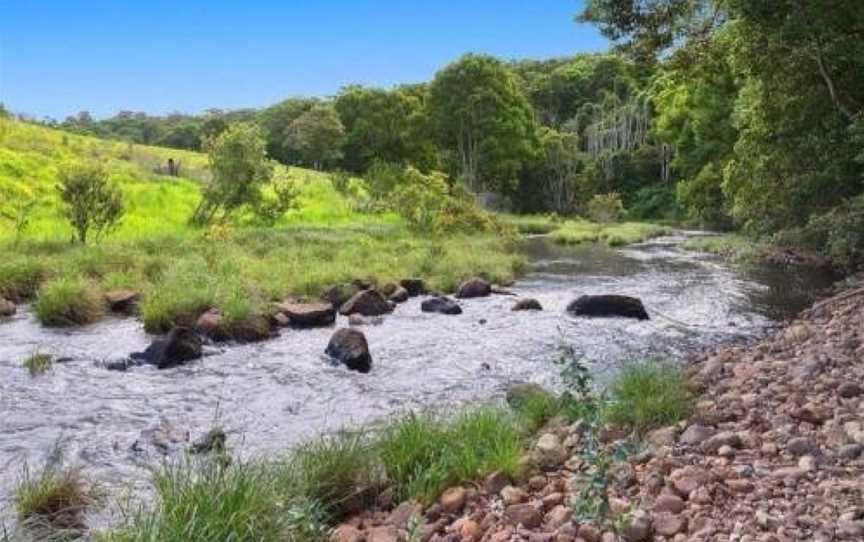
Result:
625,233
68,301
51,504
647,396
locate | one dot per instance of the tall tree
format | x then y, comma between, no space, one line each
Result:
317,136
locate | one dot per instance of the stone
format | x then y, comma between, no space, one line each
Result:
552,500
382,534
209,324
849,390
724,438
400,295
338,294
608,306
346,533
666,524
812,415
687,479
524,514
802,446
850,451
349,347
667,502
453,499
7,308
665,436
475,287
308,314
366,303
551,452
470,531
558,516
513,495
402,515
211,441
179,346
440,305
527,304
123,300
496,482
414,287
639,528
695,435
589,532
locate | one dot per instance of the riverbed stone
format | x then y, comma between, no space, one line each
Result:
178,347
366,303
441,305
399,295
124,301
475,287
527,304
308,314
414,286
609,305
349,347
525,514
453,499
7,308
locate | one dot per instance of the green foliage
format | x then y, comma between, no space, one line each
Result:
605,208
573,232
38,363
837,235
733,247
316,136
239,164
647,396
92,203
68,301
51,504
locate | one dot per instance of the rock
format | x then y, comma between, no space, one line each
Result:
524,514
687,479
813,415
470,531
280,320
527,304
665,436
496,482
178,347
667,524
453,499
414,287
346,533
400,295
440,305
123,301
349,347
850,451
608,305
589,532
695,435
724,438
366,303
357,320
513,495
551,452
208,324
162,438
402,515
308,314
212,441
382,534
639,528
667,502
558,516
7,308
849,390
802,446
338,294
253,329
475,287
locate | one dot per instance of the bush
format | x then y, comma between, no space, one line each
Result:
647,396
93,204
20,278
52,504
67,302
837,235
605,208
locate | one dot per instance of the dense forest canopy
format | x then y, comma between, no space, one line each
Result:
731,113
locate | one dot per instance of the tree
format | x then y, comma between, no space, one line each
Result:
317,136
276,120
239,167
562,163
92,203
482,118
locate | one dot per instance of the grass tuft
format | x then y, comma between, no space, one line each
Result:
68,301
626,233
52,504
647,396
38,363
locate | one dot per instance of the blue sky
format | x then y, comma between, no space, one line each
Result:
58,57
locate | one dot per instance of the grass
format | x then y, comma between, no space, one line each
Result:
647,396
68,301
51,505
732,247
533,224
619,234
38,363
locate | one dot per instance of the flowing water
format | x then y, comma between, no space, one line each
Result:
273,394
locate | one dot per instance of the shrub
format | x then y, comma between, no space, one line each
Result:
38,363
68,301
52,504
20,278
92,203
185,290
605,208
647,396
837,235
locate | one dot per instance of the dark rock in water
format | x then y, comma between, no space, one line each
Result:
212,441
521,392
440,305
475,287
122,301
7,308
527,304
163,438
117,364
399,295
179,346
349,347
308,314
497,290
415,287
253,329
367,303
608,305
362,284
338,294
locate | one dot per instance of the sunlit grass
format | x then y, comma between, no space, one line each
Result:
647,396
732,247
615,234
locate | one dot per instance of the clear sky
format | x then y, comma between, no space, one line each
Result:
60,56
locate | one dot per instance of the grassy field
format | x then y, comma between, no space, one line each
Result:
733,247
572,231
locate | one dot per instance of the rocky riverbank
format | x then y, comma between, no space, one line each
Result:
772,452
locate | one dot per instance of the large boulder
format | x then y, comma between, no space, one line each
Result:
475,287
440,305
122,301
179,346
415,287
608,305
308,314
7,308
338,294
527,304
366,303
349,347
